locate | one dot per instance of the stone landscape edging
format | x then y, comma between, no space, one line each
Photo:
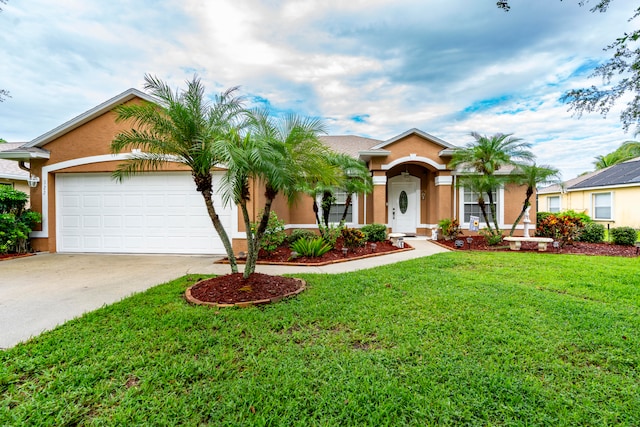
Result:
193,300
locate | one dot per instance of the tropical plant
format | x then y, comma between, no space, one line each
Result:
281,153
480,162
311,247
532,176
375,232
181,127
300,233
274,234
353,238
331,233
450,228
564,228
627,151
16,222
625,236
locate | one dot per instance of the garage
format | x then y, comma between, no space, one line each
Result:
147,213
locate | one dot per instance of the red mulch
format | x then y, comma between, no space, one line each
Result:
283,254
7,257
232,288
608,249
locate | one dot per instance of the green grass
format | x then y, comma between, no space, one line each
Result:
453,339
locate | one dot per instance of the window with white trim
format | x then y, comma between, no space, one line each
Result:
602,206
553,204
472,208
337,207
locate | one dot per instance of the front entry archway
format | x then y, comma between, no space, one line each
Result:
404,203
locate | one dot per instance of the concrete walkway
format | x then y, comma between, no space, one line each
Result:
39,292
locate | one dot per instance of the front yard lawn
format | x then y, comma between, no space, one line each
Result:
466,338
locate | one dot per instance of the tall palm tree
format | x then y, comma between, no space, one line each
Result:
487,155
355,178
182,127
532,176
277,153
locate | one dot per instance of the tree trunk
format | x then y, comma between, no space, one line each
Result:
217,224
483,209
347,203
326,207
525,205
492,207
255,237
252,251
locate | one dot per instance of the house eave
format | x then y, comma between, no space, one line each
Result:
418,132
89,115
19,155
604,187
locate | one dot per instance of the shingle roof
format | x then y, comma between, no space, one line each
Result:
621,174
8,168
557,188
349,144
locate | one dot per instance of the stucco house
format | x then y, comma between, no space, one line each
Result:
610,196
10,173
85,210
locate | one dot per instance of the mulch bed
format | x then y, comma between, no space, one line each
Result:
7,257
282,255
608,249
233,289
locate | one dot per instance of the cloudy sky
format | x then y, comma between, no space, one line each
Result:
373,68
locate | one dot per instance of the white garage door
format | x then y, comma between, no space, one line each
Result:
149,213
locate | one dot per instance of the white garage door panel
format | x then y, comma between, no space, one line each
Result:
151,213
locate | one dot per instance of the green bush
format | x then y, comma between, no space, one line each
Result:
375,232
311,248
583,217
625,236
541,216
592,233
274,234
353,238
300,233
490,236
15,222
450,228
331,233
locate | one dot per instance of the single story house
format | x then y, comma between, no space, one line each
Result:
85,210
610,196
10,173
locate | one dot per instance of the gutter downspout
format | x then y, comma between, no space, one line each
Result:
21,165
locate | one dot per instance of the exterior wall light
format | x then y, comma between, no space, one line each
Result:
33,181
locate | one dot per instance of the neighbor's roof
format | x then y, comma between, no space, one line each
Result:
625,173
558,188
8,168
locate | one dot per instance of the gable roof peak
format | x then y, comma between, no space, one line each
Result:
89,115
415,131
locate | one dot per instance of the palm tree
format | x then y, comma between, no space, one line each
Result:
532,176
182,127
278,154
486,156
481,185
627,151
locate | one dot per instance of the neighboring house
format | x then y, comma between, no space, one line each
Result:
10,173
610,196
85,210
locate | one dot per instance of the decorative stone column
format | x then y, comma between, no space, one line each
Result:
379,197
444,194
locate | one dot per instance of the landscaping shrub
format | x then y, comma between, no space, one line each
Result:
541,216
15,222
353,238
311,248
491,238
592,233
300,233
583,217
450,228
375,232
625,236
274,234
331,233
564,228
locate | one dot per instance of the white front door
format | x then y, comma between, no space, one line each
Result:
404,206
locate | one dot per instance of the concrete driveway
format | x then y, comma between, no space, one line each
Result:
40,292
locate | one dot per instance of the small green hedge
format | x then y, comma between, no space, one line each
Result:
375,232
625,236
